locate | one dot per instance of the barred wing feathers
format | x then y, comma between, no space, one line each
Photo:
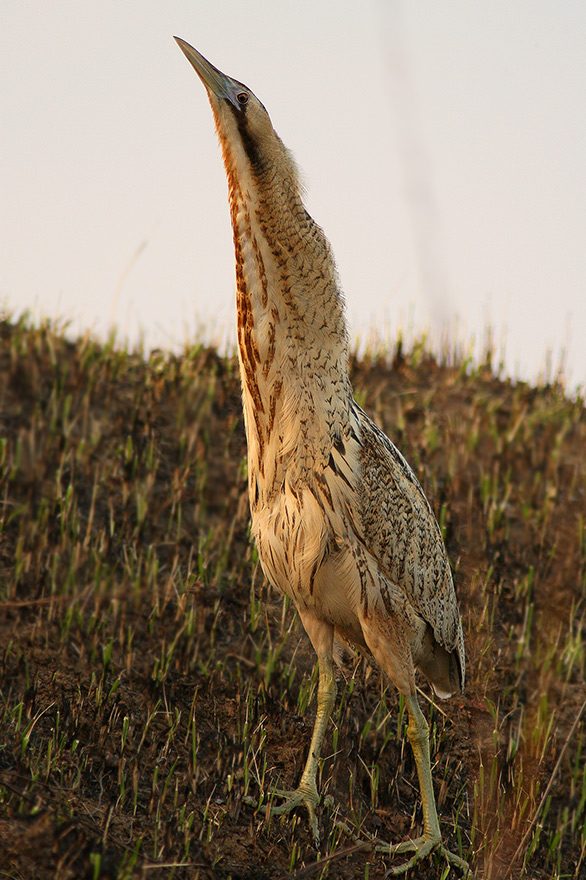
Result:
400,540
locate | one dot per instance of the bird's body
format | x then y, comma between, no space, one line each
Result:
341,524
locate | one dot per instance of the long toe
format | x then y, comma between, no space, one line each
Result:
301,797
421,848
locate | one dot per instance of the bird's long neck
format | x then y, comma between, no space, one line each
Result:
291,330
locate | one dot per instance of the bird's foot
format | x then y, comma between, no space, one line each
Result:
421,847
303,796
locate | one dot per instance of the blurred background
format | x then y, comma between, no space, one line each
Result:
442,145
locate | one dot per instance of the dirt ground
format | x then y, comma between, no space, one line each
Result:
150,679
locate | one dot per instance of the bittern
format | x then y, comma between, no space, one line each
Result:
340,521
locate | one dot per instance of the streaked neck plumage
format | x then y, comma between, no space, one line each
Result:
292,333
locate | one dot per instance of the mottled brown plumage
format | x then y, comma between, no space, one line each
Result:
341,523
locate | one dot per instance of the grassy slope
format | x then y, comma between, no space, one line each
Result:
149,678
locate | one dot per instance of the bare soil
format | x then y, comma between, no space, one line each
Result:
149,678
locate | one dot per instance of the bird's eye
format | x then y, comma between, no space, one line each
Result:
242,98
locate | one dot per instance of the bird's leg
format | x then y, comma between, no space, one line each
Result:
431,839
306,793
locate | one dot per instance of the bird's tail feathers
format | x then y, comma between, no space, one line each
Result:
440,667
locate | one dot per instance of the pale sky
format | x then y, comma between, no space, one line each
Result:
442,144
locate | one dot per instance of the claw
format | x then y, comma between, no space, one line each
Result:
422,847
301,797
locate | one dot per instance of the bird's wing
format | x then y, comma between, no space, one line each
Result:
396,526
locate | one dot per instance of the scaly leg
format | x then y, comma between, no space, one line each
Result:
431,839
306,793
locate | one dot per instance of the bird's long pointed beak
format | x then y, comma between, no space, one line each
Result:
213,79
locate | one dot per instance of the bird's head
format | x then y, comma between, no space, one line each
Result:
244,127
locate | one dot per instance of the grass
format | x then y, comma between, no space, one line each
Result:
150,679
